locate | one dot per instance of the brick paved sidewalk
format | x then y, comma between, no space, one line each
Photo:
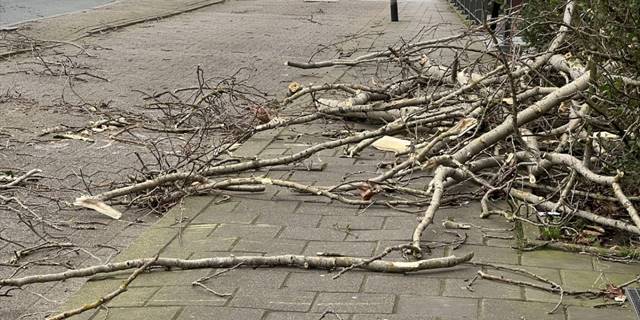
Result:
75,25
279,221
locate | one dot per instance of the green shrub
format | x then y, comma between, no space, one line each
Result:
604,34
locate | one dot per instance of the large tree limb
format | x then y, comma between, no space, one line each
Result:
307,262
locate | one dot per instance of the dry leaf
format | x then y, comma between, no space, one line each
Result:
367,192
615,293
262,114
294,87
392,144
98,206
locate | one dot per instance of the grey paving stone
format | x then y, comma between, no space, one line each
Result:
469,212
183,213
5,314
272,152
302,233
532,294
279,300
224,213
381,211
323,281
204,312
354,302
352,222
505,243
439,233
245,231
300,316
339,164
438,307
266,206
138,313
245,217
288,195
581,279
173,278
418,284
220,206
254,145
357,249
268,278
615,267
133,297
547,273
194,232
582,313
557,259
91,291
481,289
401,222
219,254
326,210
288,219
393,317
184,249
271,247
327,178
188,295
375,235
489,254
149,244
510,309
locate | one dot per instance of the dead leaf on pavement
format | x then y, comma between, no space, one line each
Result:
98,206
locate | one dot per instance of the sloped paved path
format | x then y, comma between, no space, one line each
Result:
151,57
279,221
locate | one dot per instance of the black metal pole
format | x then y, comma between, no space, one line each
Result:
495,12
394,10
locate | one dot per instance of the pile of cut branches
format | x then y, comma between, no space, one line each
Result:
525,127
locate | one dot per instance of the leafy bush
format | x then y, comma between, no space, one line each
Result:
605,35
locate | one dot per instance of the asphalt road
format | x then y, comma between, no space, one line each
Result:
14,11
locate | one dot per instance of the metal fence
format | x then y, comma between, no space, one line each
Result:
476,10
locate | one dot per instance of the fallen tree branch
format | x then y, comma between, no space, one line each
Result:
103,300
307,262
